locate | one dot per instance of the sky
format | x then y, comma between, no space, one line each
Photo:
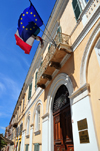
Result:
14,63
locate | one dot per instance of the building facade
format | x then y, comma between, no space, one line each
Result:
59,105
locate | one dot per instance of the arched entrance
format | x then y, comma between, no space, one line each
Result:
63,140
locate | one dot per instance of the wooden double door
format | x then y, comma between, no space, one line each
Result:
63,140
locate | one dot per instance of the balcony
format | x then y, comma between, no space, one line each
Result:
53,58
15,122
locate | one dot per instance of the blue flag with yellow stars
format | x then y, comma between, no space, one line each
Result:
29,23
28,28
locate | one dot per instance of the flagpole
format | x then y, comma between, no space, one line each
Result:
50,35
30,2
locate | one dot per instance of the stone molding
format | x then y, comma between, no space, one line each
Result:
79,94
45,117
87,51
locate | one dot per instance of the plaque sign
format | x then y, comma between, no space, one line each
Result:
82,124
84,137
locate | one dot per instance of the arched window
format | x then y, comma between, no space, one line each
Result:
37,119
28,124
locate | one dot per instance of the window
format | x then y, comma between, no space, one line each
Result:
17,132
38,115
59,31
37,126
20,109
21,128
27,146
23,103
36,147
36,80
30,91
77,8
28,124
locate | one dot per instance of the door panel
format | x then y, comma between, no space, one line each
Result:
63,130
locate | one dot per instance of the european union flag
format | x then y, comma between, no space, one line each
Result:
29,23
28,28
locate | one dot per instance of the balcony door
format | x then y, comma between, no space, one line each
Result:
63,140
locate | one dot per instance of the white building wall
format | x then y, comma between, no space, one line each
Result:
45,134
23,141
31,136
81,110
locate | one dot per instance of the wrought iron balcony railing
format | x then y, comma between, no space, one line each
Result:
62,38
52,58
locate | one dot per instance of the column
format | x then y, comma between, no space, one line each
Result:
45,126
31,137
23,141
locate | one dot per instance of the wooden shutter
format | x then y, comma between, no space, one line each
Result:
36,80
36,147
30,90
77,8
